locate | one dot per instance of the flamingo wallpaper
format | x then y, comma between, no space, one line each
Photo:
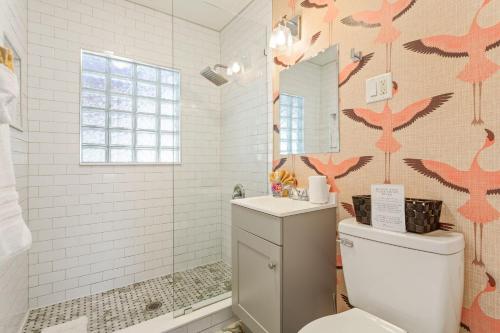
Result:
437,135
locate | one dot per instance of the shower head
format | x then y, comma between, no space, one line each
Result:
213,76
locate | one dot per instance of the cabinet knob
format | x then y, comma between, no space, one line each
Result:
271,265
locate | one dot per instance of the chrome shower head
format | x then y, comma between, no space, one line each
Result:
213,76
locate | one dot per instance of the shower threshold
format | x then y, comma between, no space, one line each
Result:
126,307
219,308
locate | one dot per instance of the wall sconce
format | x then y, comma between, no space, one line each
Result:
285,33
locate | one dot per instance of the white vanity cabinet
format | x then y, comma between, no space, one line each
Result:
283,261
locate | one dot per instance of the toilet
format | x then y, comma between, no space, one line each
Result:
398,282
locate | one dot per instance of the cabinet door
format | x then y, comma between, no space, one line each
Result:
256,282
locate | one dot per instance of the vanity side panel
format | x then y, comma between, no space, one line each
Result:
309,268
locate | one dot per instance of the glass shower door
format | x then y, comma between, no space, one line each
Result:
224,139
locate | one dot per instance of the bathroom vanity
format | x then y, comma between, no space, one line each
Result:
284,263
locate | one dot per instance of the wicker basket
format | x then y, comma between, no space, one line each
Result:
421,215
362,208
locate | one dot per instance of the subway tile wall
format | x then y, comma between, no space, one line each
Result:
14,272
246,133
100,227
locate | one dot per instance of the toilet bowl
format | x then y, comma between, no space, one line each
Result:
352,321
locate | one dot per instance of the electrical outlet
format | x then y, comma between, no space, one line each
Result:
379,88
382,84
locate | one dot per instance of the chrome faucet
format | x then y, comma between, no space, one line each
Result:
298,194
238,191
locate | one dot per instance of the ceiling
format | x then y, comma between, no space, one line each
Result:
213,14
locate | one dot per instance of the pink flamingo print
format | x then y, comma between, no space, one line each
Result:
348,208
292,6
334,171
388,122
293,57
276,90
353,68
279,163
346,301
276,96
478,183
474,319
338,263
331,13
276,129
383,18
474,44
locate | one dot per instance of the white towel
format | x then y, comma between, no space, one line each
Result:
15,236
9,90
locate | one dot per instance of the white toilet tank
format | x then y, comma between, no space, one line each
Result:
412,281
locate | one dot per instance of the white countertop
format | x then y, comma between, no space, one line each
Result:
280,207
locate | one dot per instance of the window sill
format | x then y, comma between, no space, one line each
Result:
130,164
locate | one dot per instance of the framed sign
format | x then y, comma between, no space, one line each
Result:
388,207
16,109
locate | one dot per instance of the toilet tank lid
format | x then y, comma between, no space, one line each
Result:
439,241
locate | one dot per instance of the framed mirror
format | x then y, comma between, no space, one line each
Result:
309,105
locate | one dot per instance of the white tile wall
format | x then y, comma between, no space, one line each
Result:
14,273
246,135
101,227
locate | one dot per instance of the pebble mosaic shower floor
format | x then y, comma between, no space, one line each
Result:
123,307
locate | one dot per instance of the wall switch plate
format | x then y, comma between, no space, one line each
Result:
372,89
379,88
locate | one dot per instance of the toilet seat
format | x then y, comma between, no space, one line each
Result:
352,321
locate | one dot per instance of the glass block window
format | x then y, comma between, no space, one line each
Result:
130,112
291,124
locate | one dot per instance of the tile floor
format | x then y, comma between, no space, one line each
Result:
123,307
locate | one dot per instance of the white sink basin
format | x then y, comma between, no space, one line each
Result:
280,207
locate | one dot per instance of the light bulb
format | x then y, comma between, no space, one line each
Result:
272,41
236,67
289,41
281,38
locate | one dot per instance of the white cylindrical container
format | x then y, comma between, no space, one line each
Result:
318,190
